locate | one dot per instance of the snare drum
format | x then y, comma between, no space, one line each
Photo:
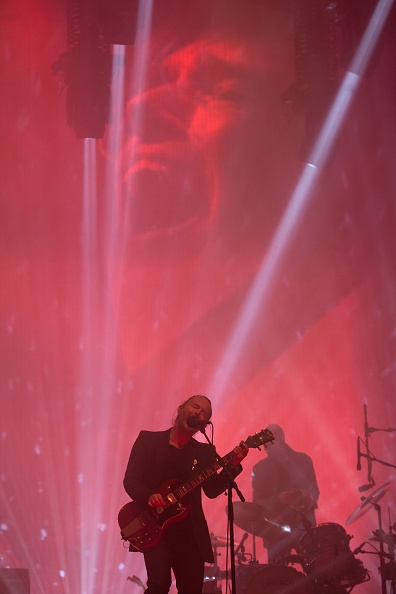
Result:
277,579
327,553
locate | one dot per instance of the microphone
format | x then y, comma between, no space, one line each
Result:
195,423
359,549
366,487
202,426
359,455
241,547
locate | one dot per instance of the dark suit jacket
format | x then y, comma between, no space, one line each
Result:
146,472
271,477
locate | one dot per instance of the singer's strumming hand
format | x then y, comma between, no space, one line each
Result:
156,500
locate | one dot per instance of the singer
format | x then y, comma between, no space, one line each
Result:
160,456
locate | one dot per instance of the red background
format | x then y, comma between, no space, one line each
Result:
140,269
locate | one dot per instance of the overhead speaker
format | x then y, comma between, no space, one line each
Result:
14,581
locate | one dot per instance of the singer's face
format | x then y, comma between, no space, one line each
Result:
196,407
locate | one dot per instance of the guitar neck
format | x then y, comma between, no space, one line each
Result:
199,478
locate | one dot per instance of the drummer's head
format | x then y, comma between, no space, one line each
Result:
277,432
279,440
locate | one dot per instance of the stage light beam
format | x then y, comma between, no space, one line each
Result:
293,217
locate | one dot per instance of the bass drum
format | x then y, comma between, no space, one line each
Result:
244,573
276,579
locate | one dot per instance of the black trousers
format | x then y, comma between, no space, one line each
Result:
177,552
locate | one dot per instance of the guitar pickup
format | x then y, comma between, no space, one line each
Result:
171,498
131,528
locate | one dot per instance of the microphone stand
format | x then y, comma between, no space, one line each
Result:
368,431
369,460
230,508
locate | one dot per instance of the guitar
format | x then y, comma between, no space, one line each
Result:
144,527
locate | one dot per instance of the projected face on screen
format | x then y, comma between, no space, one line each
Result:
204,165
194,96
203,139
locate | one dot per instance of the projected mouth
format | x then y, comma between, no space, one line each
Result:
165,196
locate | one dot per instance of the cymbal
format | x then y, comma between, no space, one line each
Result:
364,507
255,519
389,539
218,541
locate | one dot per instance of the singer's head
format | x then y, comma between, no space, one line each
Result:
194,413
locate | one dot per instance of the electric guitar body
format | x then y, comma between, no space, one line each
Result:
144,527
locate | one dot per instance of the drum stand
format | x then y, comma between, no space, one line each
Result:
392,571
254,558
213,576
381,548
391,575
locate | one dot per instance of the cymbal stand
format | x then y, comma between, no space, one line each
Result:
381,548
392,569
253,533
254,560
368,431
216,567
392,564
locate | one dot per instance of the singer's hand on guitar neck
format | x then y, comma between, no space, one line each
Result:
240,452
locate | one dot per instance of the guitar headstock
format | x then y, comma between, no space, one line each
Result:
259,439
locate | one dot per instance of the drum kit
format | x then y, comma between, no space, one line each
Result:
328,566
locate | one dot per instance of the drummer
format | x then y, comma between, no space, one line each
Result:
284,484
